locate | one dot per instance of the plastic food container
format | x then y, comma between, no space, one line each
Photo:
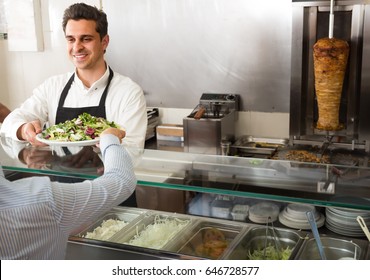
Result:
221,209
240,212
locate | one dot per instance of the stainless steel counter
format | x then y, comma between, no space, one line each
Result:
237,177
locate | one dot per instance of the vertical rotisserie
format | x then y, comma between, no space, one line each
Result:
330,63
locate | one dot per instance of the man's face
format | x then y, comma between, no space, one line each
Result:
85,49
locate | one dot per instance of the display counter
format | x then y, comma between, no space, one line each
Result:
213,181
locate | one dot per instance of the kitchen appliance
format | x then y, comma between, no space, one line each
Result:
310,22
211,122
153,121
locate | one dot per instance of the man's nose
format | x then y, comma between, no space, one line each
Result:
77,45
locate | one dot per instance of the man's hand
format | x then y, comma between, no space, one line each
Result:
28,131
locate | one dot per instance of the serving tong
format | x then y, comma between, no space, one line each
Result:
363,225
312,221
274,238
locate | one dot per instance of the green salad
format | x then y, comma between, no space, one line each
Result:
84,127
270,254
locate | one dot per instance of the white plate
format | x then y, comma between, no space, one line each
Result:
260,212
344,232
298,211
300,225
65,143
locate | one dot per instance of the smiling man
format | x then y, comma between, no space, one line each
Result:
92,88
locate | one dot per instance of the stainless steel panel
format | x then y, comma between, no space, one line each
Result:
255,238
85,251
364,129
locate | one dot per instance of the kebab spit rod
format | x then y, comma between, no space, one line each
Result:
331,19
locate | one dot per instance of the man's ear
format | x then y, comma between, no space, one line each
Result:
105,42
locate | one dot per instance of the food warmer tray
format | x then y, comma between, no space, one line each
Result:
128,215
335,248
192,241
256,239
128,234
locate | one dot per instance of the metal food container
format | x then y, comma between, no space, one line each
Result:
334,248
197,241
256,239
127,215
150,232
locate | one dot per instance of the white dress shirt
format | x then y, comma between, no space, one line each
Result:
37,215
125,105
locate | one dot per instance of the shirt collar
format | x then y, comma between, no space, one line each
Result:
102,82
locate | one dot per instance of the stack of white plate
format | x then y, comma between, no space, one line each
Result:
294,216
343,221
264,212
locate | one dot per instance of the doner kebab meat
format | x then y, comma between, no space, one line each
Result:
330,62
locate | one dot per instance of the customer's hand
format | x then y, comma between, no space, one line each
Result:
28,131
115,131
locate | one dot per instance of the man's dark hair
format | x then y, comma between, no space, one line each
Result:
82,11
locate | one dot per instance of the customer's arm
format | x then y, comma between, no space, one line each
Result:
78,203
4,112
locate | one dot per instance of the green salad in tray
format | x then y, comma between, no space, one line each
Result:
84,127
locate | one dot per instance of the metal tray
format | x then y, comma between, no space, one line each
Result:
334,248
191,241
129,234
117,213
255,239
250,141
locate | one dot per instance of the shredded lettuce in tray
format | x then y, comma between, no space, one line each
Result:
84,127
270,254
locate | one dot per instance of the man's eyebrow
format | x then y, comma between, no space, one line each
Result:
80,36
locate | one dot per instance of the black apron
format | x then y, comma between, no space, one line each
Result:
66,113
